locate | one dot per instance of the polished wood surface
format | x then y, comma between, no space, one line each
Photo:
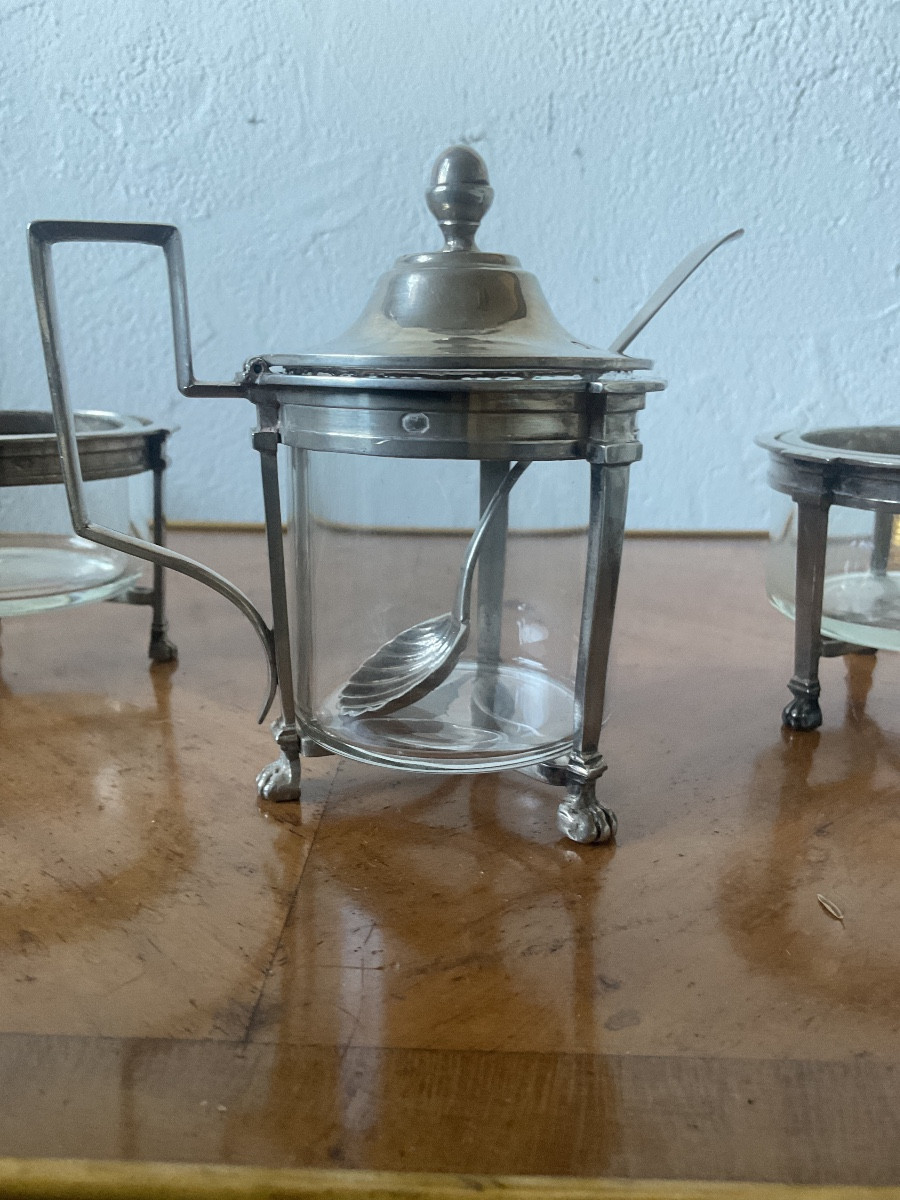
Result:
79,1179
411,973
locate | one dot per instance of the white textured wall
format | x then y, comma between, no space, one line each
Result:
291,143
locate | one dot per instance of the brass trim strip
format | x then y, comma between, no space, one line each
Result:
177,526
455,531
711,535
85,1179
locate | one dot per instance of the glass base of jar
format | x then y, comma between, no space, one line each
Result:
858,607
479,719
46,571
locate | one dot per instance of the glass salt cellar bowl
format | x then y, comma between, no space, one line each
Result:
382,553
43,564
400,637
834,557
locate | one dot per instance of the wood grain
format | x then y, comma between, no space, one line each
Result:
416,974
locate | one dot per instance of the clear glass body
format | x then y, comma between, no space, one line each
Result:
378,545
43,565
861,594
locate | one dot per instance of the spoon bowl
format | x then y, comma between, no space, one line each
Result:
419,659
406,668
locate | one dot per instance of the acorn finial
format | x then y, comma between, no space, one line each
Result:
459,196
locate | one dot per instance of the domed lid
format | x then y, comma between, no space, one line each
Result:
458,310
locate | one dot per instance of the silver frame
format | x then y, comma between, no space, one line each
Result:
495,420
110,446
817,475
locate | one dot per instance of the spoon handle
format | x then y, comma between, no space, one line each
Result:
668,288
462,606
661,296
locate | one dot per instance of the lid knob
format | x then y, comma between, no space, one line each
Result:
459,196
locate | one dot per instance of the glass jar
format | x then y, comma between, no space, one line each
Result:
382,550
851,476
43,564
861,589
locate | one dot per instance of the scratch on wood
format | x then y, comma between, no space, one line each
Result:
830,907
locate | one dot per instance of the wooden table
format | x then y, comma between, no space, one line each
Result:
418,974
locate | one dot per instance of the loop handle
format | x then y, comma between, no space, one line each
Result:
41,237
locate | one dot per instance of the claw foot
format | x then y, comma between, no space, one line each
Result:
803,712
161,649
585,822
280,780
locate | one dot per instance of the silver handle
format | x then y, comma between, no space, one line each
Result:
668,288
41,237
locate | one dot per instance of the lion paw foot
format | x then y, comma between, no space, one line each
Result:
280,780
802,713
587,824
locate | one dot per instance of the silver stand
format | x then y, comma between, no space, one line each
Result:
491,579
280,780
804,712
857,467
580,816
162,650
